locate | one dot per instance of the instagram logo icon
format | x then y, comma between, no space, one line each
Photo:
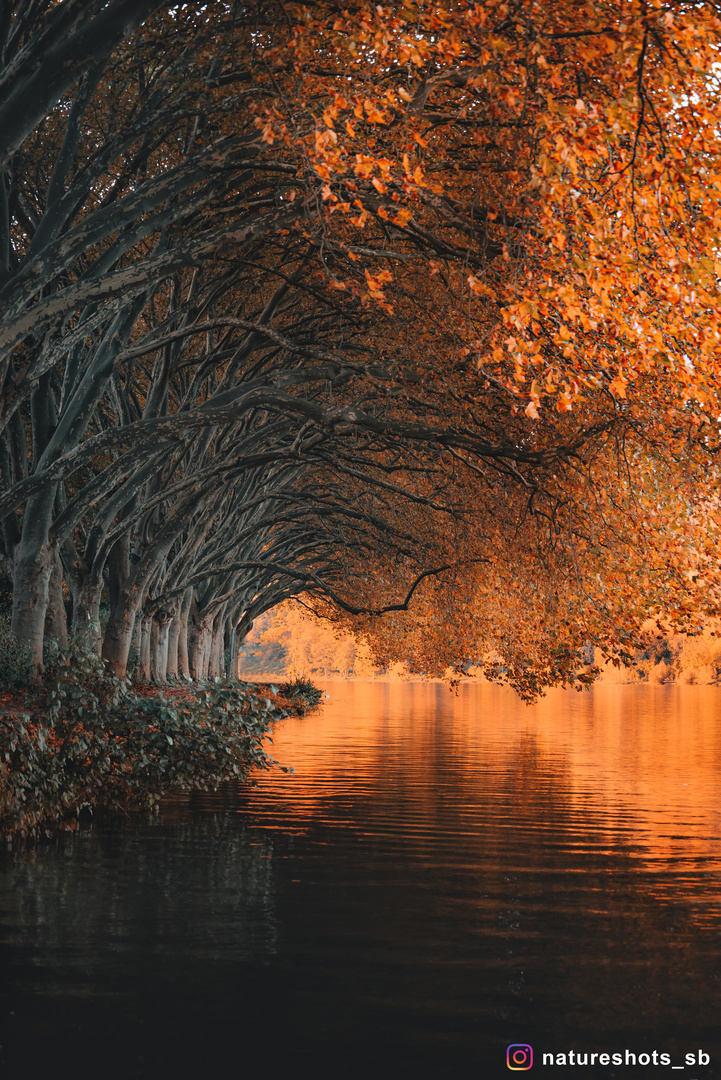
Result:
519,1056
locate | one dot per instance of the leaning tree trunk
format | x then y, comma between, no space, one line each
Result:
182,618
119,633
126,625
243,629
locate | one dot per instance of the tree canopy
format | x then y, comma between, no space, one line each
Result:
409,310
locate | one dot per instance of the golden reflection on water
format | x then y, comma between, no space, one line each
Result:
637,763
442,876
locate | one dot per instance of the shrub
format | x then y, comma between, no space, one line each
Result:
95,740
16,664
301,692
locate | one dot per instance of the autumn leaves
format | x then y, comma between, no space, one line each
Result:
401,287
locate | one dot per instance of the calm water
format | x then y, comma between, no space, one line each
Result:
442,876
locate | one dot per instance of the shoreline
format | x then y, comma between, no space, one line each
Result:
85,741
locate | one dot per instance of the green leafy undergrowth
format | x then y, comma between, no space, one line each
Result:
16,662
92,740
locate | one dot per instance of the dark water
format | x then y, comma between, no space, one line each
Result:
443,876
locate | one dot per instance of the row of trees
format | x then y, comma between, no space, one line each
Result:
377,307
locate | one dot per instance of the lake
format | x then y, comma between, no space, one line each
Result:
442,877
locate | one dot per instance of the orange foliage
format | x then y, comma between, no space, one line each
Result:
565,159
527,198
585,136
289,641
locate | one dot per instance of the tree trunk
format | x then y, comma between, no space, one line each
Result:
119,636
56,625
31,578
162,660
173,642
153,649
215,649
233,654
32,566
199,649
183,652
143,675
182,618
208,652
86,616
160,625
157,660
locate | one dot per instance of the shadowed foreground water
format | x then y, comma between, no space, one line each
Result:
441,877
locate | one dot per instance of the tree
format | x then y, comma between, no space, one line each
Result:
44,59
310,266
582,142
125,208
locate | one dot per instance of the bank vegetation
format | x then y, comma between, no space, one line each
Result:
87,739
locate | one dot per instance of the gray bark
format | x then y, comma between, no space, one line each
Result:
200,648
159,647
119,634
56,625
143,673
173,642
183,614
215,649
32,566
71,39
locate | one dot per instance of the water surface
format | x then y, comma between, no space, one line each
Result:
442,876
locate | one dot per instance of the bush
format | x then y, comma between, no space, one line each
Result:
301,692
16,664
95,740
